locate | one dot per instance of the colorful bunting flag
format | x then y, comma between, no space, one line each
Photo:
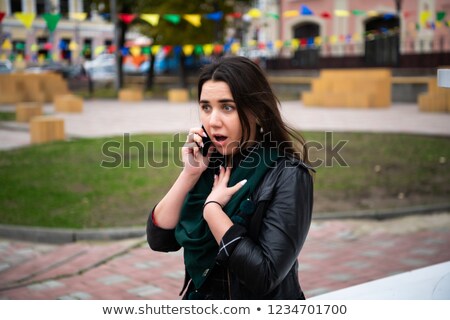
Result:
290,13
188,49
2,15
325,15
135,51
194,19
254,13
273,15
358,12
26,18
235,47
52,20
305,11
173,18
73,46
198,49
79,16
7,45
215,16
341,13
152,19
440,16
424,17
208,49
155,49
127,18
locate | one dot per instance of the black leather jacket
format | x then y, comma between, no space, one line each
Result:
261,260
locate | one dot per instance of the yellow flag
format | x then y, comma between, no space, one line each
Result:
356,37
19,58
55,57
279,44
98,50
26,18
7,45
80,16
290,13
135,51
208,49
254,13
424,17
34,47
318,41
155,49
372,13
73,46
188,49
295,43
153,19
252,43
235,47
41,58
333,39
341,13
194,19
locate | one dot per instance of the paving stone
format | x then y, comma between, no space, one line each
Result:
4,266
357,264
424,251
414,262
371,253
175,275
76,296
113,279
384,243
145,291
316,291
147,264
344,277
47,285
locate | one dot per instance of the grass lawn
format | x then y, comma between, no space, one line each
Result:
63,184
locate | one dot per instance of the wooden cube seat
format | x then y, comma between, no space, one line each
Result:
25,111
178,95
68,103
46,129
131,95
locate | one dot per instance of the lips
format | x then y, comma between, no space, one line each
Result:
220,139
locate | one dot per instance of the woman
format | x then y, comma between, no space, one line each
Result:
242,211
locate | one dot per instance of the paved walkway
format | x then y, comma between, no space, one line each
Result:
337,254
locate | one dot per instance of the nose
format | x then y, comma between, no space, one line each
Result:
215,119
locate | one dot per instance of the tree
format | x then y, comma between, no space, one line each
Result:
182,33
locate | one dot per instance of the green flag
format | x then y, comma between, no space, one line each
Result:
174,18
52,20
440,15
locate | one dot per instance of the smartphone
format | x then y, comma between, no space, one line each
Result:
206,143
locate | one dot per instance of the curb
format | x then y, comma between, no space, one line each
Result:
61,235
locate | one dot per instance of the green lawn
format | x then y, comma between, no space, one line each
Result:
63,184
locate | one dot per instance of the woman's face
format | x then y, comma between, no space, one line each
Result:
219,116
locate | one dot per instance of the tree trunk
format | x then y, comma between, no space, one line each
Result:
183,73
150,73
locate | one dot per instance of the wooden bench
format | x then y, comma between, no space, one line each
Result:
437,99
131,94
356,88
178,95
68,103
25,111
46,129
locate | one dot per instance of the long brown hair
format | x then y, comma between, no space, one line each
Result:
252,93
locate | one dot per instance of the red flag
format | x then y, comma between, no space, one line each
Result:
2,15
325,15
236,15
127,17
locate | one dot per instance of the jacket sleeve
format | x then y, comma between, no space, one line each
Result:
160,239
262,266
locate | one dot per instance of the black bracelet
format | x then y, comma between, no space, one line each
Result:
212,201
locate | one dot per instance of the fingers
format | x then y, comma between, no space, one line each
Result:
238,185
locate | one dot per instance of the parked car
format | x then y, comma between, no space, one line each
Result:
6,66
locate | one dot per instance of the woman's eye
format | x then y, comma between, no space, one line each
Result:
228,108
205,107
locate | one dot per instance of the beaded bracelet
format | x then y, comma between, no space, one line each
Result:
212,201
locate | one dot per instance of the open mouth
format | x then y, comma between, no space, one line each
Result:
220,138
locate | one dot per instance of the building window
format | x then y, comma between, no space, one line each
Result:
40,7
15,5
64,8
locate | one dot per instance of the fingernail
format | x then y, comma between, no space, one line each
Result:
243,181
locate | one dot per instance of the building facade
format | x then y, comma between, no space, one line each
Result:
89,32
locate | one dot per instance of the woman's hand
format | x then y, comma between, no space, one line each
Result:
194,162
220,191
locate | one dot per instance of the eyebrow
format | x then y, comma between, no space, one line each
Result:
221,101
